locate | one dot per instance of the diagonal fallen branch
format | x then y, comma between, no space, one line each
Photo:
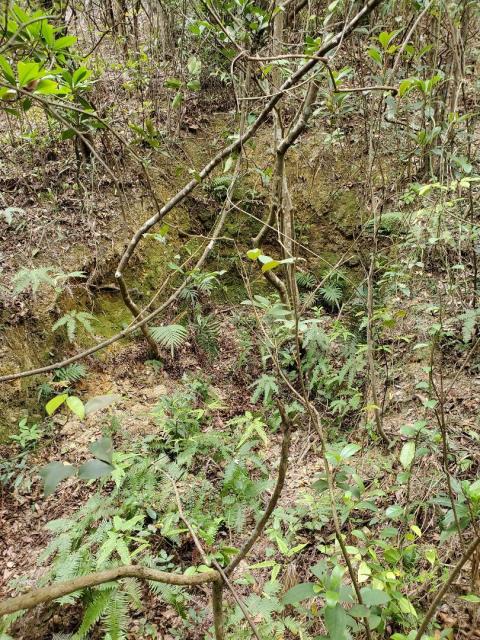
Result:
54,591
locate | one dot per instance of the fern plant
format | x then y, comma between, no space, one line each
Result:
469,323
333,289
71,373
305,279
200,283
219,186
71,322
265,386
206,329
171,336
33,279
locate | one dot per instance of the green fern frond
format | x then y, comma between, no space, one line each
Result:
469,322
332,294
58,546
263,607
305,280
116,615
389,222
219,186
71,320
207,331
99,600
265,386
85,319
71,373
66,568
131,586
168,592
170,336
33,279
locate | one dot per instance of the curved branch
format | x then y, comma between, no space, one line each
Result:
54,591
272,503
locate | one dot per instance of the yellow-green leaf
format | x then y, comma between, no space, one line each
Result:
53,404
76,406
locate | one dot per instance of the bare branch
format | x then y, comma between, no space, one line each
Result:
54,591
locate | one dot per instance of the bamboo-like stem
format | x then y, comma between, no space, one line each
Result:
217,608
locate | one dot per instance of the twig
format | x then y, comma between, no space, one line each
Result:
470,550
393,90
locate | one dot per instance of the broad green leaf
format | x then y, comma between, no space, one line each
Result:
64,42
299,592
359,611
177,101
253,254
471,597
194,85
364,572
268,266
374,597
194,66
405,86
349,450
425,189
407,607
172,83
56,402
332,598
102,449
7,70
384,39
336,622
98,403
82,73
431,556
27,71
474,490
375,54
76,406
93,469
266,564
394,512
53,474
47,87
407,454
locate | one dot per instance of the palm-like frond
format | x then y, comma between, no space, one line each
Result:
170,336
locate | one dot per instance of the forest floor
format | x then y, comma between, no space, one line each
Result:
80,223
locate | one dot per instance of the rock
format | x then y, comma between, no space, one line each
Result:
155,392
